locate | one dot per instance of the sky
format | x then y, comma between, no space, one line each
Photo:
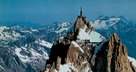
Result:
49,11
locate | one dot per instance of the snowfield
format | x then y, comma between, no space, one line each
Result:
92,36
34,58
23,58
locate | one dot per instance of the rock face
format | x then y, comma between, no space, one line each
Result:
133,67
112,57
79,55
80,22
76,54
59,49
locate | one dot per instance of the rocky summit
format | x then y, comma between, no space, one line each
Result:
85,50
112,57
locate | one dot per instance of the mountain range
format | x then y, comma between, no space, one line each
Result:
81,46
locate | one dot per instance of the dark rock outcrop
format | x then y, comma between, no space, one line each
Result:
71,52
59,49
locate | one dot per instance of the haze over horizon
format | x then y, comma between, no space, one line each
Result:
49,11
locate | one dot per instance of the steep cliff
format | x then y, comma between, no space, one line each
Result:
112,57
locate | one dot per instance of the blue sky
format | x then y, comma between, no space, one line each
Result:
49,11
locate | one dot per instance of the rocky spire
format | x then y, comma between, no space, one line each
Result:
112,57
81,12
81,23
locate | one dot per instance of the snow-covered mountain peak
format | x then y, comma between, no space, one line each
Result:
63,27
105,23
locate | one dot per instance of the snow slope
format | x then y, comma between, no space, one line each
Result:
92,36
44,43
67,68
105,23
133,60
